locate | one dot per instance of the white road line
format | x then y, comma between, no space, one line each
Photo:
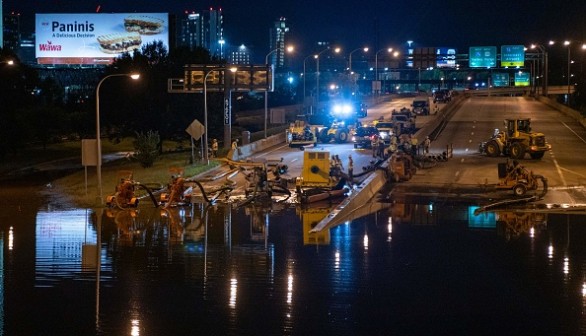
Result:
559,170
571,130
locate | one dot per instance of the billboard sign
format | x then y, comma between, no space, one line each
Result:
96,38
512,56
500,79
482,57
446,57
522,78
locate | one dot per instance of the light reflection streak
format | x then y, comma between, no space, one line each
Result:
135,329
550,251
233,291
337,260
11,238
365,240
532,232
584,289
566,265
290,289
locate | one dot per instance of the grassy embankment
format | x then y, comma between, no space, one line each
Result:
72,187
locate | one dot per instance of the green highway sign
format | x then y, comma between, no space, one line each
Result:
512,56
500,79
522,78
482,57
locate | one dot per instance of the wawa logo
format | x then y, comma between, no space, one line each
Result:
49,46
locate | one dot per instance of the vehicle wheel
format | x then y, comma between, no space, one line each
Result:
323,136
355,146
492,149
519,189
342,136
517,151
537,155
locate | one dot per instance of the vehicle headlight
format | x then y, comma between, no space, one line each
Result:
353,138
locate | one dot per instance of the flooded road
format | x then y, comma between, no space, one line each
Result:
410,269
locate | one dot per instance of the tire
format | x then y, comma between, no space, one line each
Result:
519,189
342,136
536,155
517,151
492,149
355,146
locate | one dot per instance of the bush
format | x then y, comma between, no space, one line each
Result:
147,148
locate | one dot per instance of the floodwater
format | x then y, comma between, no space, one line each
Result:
409,269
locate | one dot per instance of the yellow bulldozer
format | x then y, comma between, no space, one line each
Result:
515,141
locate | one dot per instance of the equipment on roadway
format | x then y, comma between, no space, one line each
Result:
400,167
513,176
338,132
301,134
516,140
318,176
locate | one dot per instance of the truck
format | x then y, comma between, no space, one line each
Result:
515,141
420,106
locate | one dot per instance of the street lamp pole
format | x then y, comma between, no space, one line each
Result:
98,140
317,75
376,62
365,49
545,66
567,44
267,91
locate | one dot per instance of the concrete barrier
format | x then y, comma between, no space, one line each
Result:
245,151
564,109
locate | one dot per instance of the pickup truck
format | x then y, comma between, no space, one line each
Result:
421,106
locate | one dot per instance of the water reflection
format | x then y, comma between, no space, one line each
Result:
259,270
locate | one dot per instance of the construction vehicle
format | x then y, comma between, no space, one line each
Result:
516,140
515,177
338,132
301,133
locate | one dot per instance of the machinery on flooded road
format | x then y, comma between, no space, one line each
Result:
515,177
515,141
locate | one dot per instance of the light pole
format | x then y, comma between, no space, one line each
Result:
389,50
306,58
544,67
267,91
336,50
365,49
205,110
98,140
567,44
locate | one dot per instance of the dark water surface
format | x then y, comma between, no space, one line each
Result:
406,270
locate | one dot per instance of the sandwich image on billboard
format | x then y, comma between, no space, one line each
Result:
96,38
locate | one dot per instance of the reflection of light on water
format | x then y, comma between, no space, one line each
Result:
390,229
337,260
566,265
584,289
550,251
365,241
290,289
532,232
135,330
233,290
11,238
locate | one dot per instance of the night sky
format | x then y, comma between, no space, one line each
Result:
353,24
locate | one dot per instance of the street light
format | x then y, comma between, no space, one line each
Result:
336,50
9,62
289,49
545,65
306,58
567,44
205,110
389,50
134,76
365,49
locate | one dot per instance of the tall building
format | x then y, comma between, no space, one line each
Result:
1,25
240,56
202,29
11,31
277,42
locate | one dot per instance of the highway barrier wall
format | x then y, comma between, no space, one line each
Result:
563,108
245,151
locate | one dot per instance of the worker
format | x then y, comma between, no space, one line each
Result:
374,145
381,148
426,145
235,144
214,148
350,169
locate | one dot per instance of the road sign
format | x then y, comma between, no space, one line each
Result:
482,57
512,56
522,78
195,129
500,79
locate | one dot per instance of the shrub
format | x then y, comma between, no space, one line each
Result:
147,148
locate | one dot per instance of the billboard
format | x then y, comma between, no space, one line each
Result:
96,38
512,56
482,57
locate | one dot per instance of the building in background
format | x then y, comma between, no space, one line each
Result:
11,31
202,29
240,56
277,42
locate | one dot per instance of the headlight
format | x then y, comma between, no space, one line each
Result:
353,138
342,109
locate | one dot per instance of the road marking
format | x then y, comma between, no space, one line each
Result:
568,127
559,169
573,172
